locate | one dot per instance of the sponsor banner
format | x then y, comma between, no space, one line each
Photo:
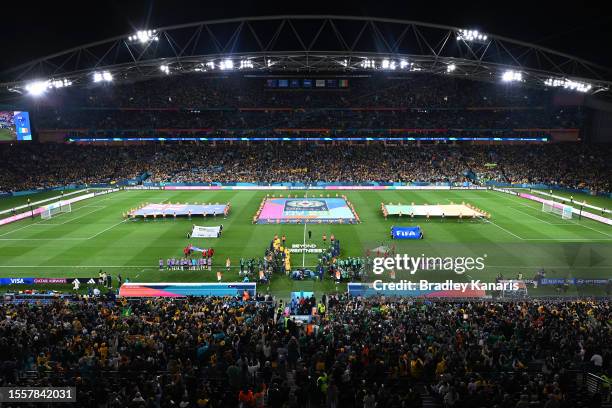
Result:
21,207
505,190
57,204
572,202
21,216
143,188
103,192
329,187
406,232
432,187
84,281
226,187
48,281
79,198
16,281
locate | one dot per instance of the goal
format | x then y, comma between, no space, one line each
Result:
565,211
56,208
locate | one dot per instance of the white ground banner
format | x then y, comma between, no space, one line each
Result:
205,232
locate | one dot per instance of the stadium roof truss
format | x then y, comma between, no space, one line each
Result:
313,44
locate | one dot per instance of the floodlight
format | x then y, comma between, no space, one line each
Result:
246,63
568,84
226,64
165,69
103,76
388,64
60,83
512,76
367,63
144,36
37,88
451,67
471,36
403,64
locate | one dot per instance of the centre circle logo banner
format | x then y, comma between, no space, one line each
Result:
305,205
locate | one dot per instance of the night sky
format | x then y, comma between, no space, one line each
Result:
34,29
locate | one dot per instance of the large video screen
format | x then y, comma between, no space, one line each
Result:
15,126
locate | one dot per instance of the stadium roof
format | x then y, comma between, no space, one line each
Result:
342,45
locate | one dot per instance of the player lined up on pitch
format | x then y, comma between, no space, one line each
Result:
190,261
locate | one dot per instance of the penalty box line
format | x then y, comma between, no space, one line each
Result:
570,222
40,222
72,219
63,239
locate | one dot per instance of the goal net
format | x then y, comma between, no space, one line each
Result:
565,211
56,208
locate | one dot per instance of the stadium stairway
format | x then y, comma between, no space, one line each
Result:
429,401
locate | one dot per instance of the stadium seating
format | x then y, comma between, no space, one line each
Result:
216,352
27,166
237,105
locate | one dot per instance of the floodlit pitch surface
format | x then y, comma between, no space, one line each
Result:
7,135
519,238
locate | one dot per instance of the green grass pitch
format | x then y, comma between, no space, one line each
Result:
7,135
519,238
12,202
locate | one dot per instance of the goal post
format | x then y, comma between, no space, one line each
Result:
565,211
55,209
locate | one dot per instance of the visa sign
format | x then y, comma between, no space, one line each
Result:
406,232
16,281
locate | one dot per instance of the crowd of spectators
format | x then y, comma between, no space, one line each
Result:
339,122
28,166
224,352
239,104
418,90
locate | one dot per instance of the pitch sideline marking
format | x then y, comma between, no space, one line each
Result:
106,229
533,216
502,228
20,228
40,222
42,239
570,222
